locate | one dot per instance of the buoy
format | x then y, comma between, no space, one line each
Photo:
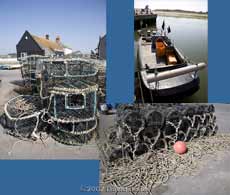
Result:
180,147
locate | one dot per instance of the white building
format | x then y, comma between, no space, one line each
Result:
67,50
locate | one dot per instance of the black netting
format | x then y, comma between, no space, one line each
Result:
66,111
141,128
137,153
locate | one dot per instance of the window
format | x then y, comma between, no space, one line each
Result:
75,101
23,55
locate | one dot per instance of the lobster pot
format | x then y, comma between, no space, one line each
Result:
31,67
140,128
101,65
73,107
21,117
68,72
74,116
73,99
63,70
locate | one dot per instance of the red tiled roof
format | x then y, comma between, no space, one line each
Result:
45,43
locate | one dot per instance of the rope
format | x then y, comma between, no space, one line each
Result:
155,168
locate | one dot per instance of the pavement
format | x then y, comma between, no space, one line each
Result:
213,178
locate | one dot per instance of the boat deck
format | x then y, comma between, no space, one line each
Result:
150,58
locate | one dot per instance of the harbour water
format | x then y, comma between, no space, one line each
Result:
190,35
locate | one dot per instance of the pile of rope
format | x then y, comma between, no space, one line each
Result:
137,151
154,168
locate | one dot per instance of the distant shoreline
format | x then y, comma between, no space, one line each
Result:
182,14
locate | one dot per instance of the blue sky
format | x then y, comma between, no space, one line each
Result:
191,5
79,23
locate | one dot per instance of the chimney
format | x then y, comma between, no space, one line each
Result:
47,37
58,39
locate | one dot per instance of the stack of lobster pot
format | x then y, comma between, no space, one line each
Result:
142,128
72,105
101,66
101,80
30,70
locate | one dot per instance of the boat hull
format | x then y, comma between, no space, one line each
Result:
171,82
144,94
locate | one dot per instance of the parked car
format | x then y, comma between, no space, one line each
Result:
4,67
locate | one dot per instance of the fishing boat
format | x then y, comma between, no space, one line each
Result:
163,70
